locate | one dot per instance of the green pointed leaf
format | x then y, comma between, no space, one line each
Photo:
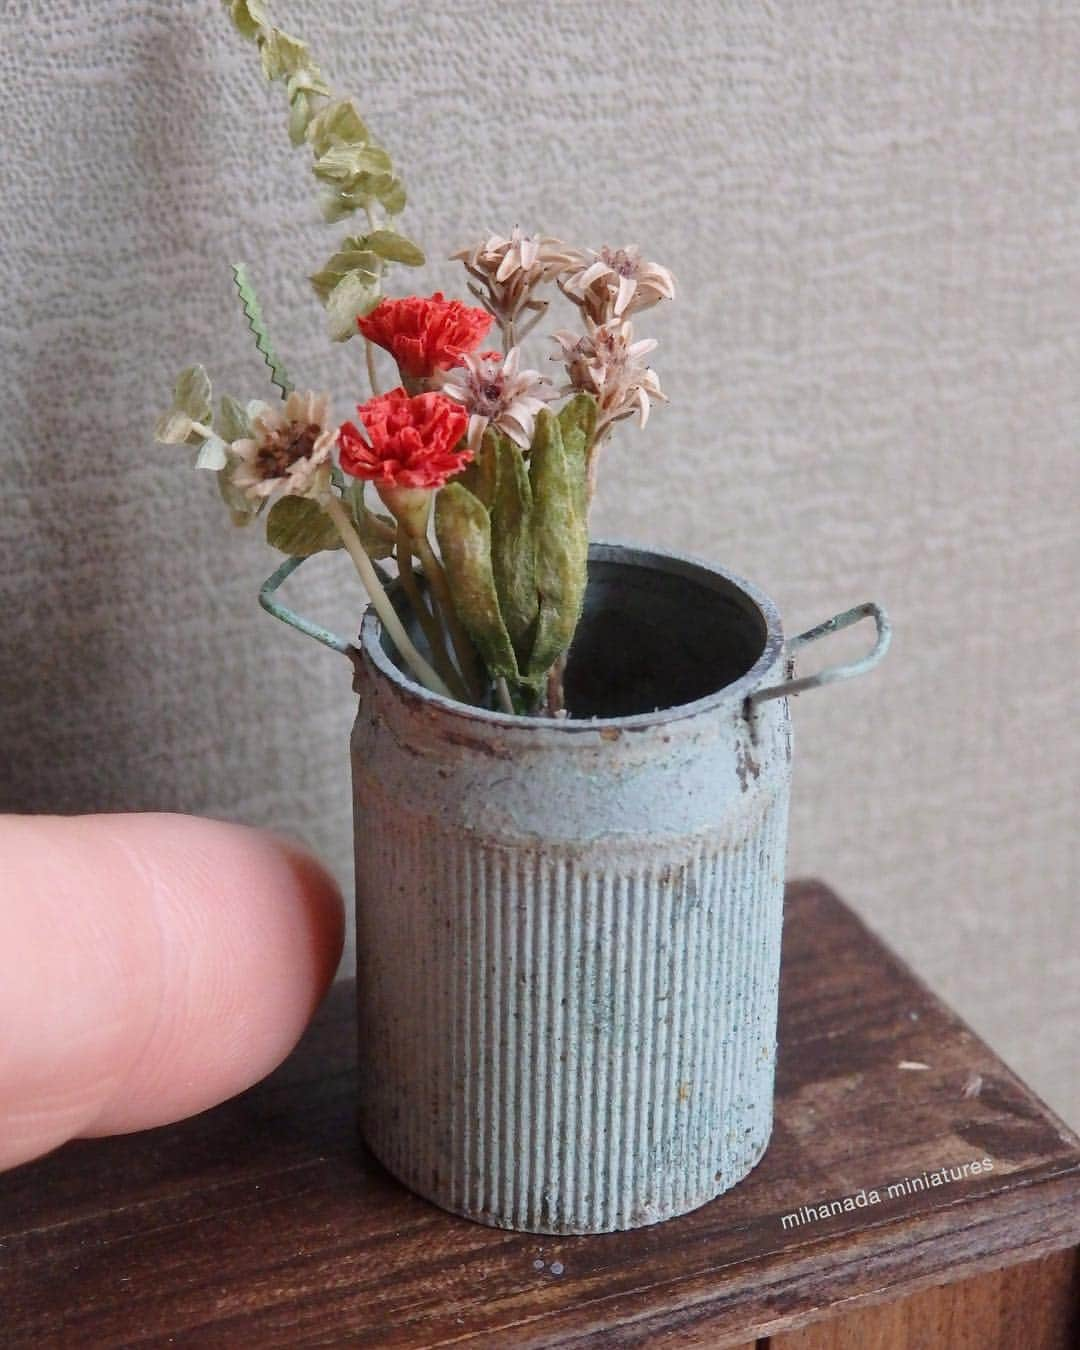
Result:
353,296
562,545
463,529
512,552
395,247
339,123
377,532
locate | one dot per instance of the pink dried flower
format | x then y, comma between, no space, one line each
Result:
607,363
510,270
495,392
615,283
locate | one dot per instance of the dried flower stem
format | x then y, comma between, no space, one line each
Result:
431,626
373,379
440,591
385,610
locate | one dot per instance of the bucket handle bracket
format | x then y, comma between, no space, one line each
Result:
269,601
831,674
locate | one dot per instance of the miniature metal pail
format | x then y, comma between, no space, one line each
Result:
568,932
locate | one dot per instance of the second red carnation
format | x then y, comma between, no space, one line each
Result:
425,335
412,442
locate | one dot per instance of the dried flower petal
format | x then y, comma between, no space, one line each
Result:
607,363
615,283
510,270
287,447
493,390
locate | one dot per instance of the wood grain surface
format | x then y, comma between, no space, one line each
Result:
265,1223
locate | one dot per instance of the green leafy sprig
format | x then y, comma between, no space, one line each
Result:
353,171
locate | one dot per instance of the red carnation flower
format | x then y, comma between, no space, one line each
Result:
424,336
411,440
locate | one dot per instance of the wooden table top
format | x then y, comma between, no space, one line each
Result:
264,1222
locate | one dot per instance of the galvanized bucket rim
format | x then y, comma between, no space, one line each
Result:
729,697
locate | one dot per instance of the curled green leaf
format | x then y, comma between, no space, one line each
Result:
512,549
562,544
463,529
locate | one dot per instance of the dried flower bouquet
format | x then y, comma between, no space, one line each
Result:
497,461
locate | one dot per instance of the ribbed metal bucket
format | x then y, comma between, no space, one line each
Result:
568,932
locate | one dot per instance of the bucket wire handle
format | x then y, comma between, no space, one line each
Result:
269,602
831,674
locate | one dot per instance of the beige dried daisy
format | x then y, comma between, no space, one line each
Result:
495,392
508,272
287,448
607,363
616,282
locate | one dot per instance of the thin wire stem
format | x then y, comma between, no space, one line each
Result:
431,626
440,591
420,668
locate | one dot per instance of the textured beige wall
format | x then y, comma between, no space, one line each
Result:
874,370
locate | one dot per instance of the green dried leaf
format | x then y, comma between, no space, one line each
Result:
355,294
248,16
463,529
340,265
577,423
395,247
561,536
349,166
339,123
300,527
283,55
512,551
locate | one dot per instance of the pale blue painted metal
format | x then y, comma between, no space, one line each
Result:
568,933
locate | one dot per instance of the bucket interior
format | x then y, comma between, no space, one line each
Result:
656,632
651,639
